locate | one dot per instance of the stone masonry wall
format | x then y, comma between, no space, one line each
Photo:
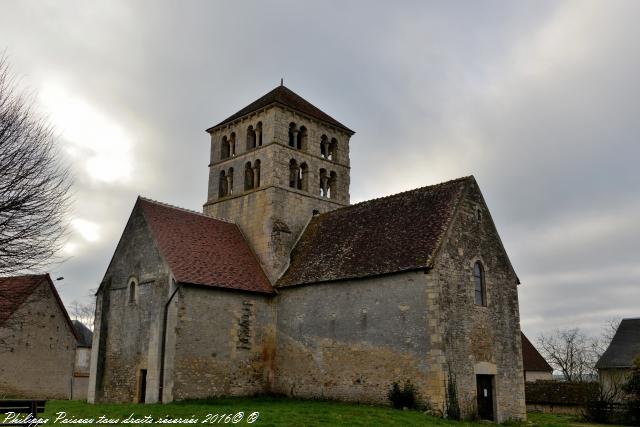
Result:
127,335
224,344
41,350
350,340
480,339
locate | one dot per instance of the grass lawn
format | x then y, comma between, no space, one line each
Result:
275,411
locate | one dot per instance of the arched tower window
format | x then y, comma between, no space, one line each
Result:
256,174
133,289
324,146
333,150
251,138
224,148
480,288
332,186
303,177
293,174
232,144
292,134
248,176
324,183
259,134
230,181
301,139
222,184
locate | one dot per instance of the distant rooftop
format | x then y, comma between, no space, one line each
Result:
288,98
624,347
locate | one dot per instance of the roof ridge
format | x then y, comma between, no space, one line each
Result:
168,205
390,196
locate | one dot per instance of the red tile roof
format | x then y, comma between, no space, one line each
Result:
532,360
284,96
395,233
15,290
201,250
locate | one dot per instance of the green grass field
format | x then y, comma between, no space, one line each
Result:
273,411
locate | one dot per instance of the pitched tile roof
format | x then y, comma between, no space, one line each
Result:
201,250
624,347
15,290
532,360
284,96
395,233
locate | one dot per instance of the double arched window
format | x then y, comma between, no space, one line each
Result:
297,136
480,286
252,175
298,175
225,184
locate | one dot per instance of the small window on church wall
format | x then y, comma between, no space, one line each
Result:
232,144
478,215
133,289
303,177
480,288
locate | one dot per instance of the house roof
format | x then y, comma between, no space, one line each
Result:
85,336
387,235
288,98
532,360
201,250
624,347
15,290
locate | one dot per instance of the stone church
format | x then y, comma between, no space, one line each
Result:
282,286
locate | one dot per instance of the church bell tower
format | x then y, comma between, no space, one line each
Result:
274,164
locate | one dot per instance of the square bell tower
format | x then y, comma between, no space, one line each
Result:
274,164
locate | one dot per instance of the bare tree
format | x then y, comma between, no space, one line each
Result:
84,312
34,184
571,352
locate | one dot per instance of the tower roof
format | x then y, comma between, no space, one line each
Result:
288,98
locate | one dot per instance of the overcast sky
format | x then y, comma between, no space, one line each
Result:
540,101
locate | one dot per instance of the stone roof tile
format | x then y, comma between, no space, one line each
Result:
288,98
387,235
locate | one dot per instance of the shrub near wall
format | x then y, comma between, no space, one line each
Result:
559,396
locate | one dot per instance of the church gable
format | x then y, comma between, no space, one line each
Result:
396,233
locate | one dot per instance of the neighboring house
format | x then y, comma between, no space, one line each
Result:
37,339
82,363
282,286
535,367
617,361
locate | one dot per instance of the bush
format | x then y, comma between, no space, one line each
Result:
405,397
